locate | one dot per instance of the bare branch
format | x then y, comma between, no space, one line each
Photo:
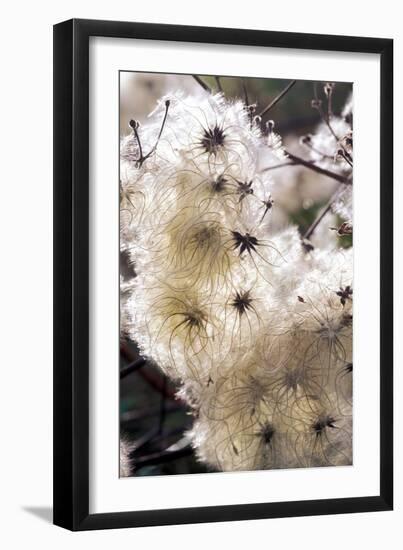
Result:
132,367
217,79
318,169
279,166
245,92
205,86
277,98
323,213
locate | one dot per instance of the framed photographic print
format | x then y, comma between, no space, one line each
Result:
223,274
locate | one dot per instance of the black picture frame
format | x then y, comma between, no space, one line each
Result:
71,274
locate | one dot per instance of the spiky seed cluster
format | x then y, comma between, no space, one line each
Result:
256,330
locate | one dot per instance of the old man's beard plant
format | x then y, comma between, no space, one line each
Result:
253,324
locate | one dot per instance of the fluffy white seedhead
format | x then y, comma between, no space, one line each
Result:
328,145
274,142
256,330
286,402
331,147
343,204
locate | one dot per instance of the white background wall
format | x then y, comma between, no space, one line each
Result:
26,281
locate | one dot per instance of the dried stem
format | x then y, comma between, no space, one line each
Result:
323,213
309,145
318,169
279,166
134,125
132,367
324,118
205,86
277,98
245,92
149,376
218,82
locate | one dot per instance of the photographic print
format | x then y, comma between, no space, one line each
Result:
236,274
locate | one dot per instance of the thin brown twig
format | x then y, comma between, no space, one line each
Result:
218,82
245,92
134,125
153,378
295,161
279,166
205,86
277,98
346,157
323,213
308,144
132,367
324,118
329,104
318,169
